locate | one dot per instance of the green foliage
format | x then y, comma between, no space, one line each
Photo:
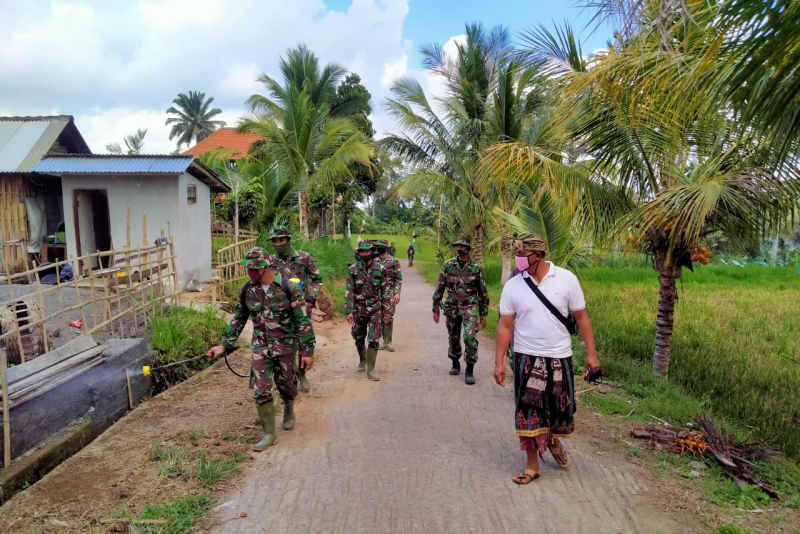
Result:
192,118
181,514
331,256
729,528
178,333
211,471
218,242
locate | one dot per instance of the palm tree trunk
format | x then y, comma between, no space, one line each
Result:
302,212
477,245
667,296
505,274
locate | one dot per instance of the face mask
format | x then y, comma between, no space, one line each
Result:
255,275
381,250
522,263
284,249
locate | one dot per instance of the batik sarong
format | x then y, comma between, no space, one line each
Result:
544,391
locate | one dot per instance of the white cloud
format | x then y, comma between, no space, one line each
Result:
117,65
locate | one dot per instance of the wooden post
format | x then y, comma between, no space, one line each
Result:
16,319
130,389
43,326
174,263
6,410
333,213
144,229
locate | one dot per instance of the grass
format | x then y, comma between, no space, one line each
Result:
178,332
218,242
181,514
211,471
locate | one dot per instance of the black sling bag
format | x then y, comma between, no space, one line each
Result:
569,321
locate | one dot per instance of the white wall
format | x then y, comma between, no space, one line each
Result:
193,233
163,198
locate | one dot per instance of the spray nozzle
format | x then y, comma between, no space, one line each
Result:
146,370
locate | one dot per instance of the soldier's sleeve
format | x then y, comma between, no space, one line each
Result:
231,333
483,294
349,298
305,332
439,293
387,290
398,281
315,277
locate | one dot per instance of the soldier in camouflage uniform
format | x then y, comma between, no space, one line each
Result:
296,264
466,304
367,304
276,307
391,269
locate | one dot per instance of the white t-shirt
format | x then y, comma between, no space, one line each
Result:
536,330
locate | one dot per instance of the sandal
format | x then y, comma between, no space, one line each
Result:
559,454
525,478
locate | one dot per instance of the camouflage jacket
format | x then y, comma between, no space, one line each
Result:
391,270
300,265
368,290
465,287
278,316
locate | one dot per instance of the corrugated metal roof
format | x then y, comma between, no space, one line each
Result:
114,164
24,141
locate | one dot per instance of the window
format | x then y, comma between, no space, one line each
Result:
191,194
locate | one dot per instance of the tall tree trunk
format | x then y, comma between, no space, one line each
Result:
302,212
477,245
505,251
667,296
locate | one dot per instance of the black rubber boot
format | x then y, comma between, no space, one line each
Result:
362,361
456,369
469,378
288,414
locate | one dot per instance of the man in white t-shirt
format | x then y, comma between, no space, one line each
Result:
542,363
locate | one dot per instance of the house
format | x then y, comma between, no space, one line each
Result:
58,197
225,138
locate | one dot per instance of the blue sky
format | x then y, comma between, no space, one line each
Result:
435,21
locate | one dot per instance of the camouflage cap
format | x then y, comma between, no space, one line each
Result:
463,240
364,245
527,244
280,231
382,242
257,258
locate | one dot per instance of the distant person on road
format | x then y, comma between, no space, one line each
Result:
367,304
410,252
275,305
391,271
299,266
467,305
542,363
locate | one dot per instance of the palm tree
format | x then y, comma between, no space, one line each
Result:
306,145
690,169
193,118
134,143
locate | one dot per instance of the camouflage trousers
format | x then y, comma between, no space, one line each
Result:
468,318
367,327
277,365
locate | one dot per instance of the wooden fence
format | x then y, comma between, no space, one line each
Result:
112,299
229,265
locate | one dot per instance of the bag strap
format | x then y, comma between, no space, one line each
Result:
547,303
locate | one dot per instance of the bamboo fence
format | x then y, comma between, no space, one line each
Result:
229,265
137,280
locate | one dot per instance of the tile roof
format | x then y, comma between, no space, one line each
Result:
225,138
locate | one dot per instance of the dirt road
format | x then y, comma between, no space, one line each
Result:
422,452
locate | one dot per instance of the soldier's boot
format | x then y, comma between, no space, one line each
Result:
456,369
361,357
302,381
387,337
266,413
372,356
469,378
288,414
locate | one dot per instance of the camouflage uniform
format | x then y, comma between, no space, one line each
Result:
298,265
467,300
279,321
368,298
391,269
